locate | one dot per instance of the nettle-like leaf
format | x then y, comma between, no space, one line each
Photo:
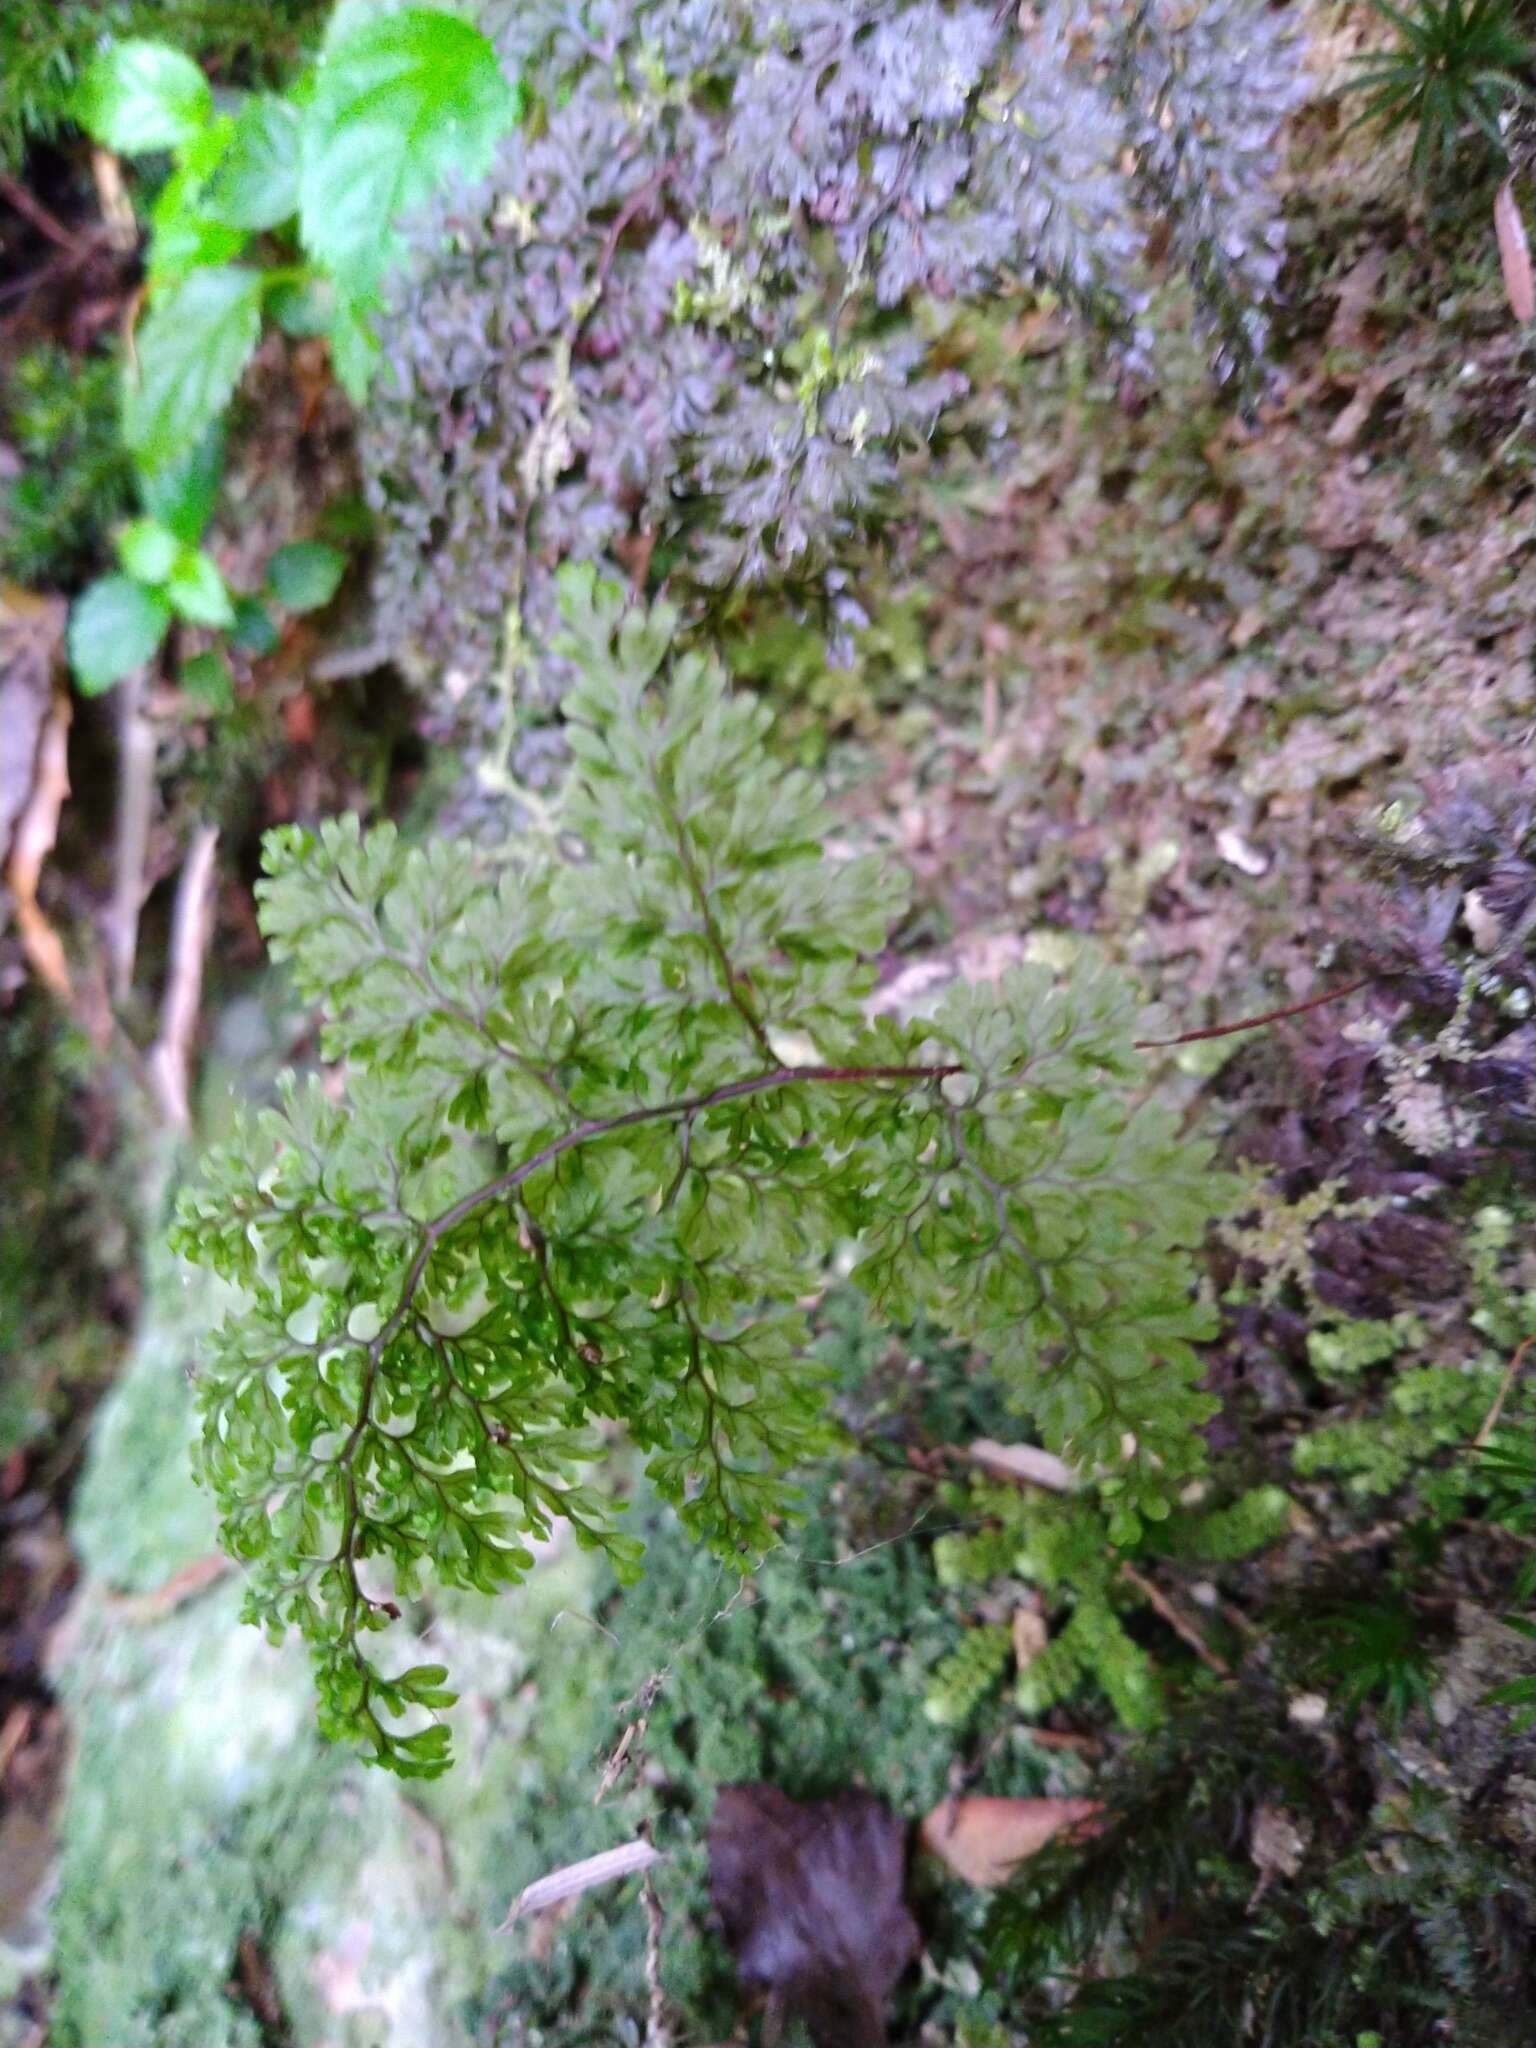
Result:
575,1176
114,626
397,103
192,349
140,95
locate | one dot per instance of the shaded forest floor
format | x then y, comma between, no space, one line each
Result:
1249,703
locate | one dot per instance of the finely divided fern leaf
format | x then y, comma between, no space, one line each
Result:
568,1176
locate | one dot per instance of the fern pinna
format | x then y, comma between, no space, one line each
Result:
598,1120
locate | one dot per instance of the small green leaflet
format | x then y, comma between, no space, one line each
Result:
399,102
181,493
141,96
186,237
354,345
147,550
196,590
114,627
304,575
207,679
257,185
192,349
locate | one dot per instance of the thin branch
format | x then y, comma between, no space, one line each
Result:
170,1057
657,2032
1181,1625
1331,995
135,801
20,200
1506,1386
32,842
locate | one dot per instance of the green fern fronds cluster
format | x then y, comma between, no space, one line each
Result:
1065,1547
596,1125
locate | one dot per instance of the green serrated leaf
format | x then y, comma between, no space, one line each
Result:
304,306
257,184
197,592
139,96
192,350
186,236
181,493
399,103
206,678
354,343
147,550
114,627
305,575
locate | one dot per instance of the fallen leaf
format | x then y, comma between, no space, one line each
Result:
811,1900
174,1592
1276,1844
1024,1462
1357,294
31,634
574,1878
1514,253
1237,853
984,1840
1030,1636
32,842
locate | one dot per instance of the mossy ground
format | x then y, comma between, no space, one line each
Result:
1141,674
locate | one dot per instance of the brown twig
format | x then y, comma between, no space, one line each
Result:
657,2032
20,200
135,800
32,842
170,1057
112,197
1506,1384
1331,995
1181,1625
1062,1738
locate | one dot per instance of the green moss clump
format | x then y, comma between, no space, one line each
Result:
45,43
61,416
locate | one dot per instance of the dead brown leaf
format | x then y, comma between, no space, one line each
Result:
1357,295
811,1900
31,633
1030,1636
1514,252
36,830
192,1579
1025,1464
983,1840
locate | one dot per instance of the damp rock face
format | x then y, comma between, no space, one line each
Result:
223,1876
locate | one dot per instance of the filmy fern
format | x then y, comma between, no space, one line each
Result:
573,1175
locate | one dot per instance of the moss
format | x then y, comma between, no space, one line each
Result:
60,414
44,44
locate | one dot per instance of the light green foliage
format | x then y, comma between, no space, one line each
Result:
573,1178
394,103
59,413
116,625
192,349
1065,1547
1418,1434
1428,1412
1340,1350
306,574
398,104
140,96
971,1672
